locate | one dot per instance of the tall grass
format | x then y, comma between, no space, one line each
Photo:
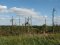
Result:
52,39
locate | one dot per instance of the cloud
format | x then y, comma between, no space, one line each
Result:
3,9
25,12
20,11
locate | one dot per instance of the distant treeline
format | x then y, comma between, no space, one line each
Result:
17,30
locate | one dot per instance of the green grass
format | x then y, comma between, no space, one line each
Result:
51,39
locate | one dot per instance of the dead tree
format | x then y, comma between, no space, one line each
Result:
28,23
12,23
53,19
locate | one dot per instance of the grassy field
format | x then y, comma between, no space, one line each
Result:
28,39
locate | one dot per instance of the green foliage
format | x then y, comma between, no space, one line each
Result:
17,30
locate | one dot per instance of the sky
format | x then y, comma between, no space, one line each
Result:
38,9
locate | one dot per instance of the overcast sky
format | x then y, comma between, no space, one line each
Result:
38,9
